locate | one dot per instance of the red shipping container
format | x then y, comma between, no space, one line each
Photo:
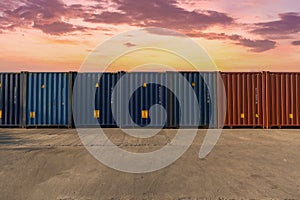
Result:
283,99
245,99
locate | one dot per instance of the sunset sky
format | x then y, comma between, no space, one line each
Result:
240,35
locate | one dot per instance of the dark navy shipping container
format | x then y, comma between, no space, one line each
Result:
92,99
203,112
47,99
142,100
10,99
145,99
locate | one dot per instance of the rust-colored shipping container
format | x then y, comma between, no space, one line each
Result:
245,99
283,99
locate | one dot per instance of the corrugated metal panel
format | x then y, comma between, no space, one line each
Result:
283,95
147,96
10,99
48,98
92,100
206,97
245,99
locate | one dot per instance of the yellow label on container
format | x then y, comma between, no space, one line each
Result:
291,116
0,114
144,114
97,85
96,113
257,115
193,84
32,115
145,85
43,86
242,115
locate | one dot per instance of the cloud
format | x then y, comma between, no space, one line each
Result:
296,43
108,18
167,14
58,28
159,13
289,23
44,15
129,44
62,41
163,31
253,45
38,10
257,45
53,18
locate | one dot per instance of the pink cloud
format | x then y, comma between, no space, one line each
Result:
160,13
52,17
289,23
296,43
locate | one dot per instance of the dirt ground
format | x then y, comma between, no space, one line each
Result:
245,164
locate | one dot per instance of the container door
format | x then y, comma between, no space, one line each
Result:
10,97
47,99
87,98
104,100
283,98
244,99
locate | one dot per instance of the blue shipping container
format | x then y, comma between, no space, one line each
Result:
48,99
204,85
10,99
143,100
92,99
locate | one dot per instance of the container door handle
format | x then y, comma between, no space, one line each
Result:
63,96
15,95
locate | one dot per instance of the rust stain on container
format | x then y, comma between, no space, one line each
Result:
245,98
283,98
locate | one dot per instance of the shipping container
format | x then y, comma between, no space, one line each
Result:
143,100
203,112
283,99
92,99
245,99
150,99
47,99
10,99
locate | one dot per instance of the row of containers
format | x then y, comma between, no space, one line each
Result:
150,99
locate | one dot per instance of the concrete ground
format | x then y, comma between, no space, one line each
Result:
245,164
